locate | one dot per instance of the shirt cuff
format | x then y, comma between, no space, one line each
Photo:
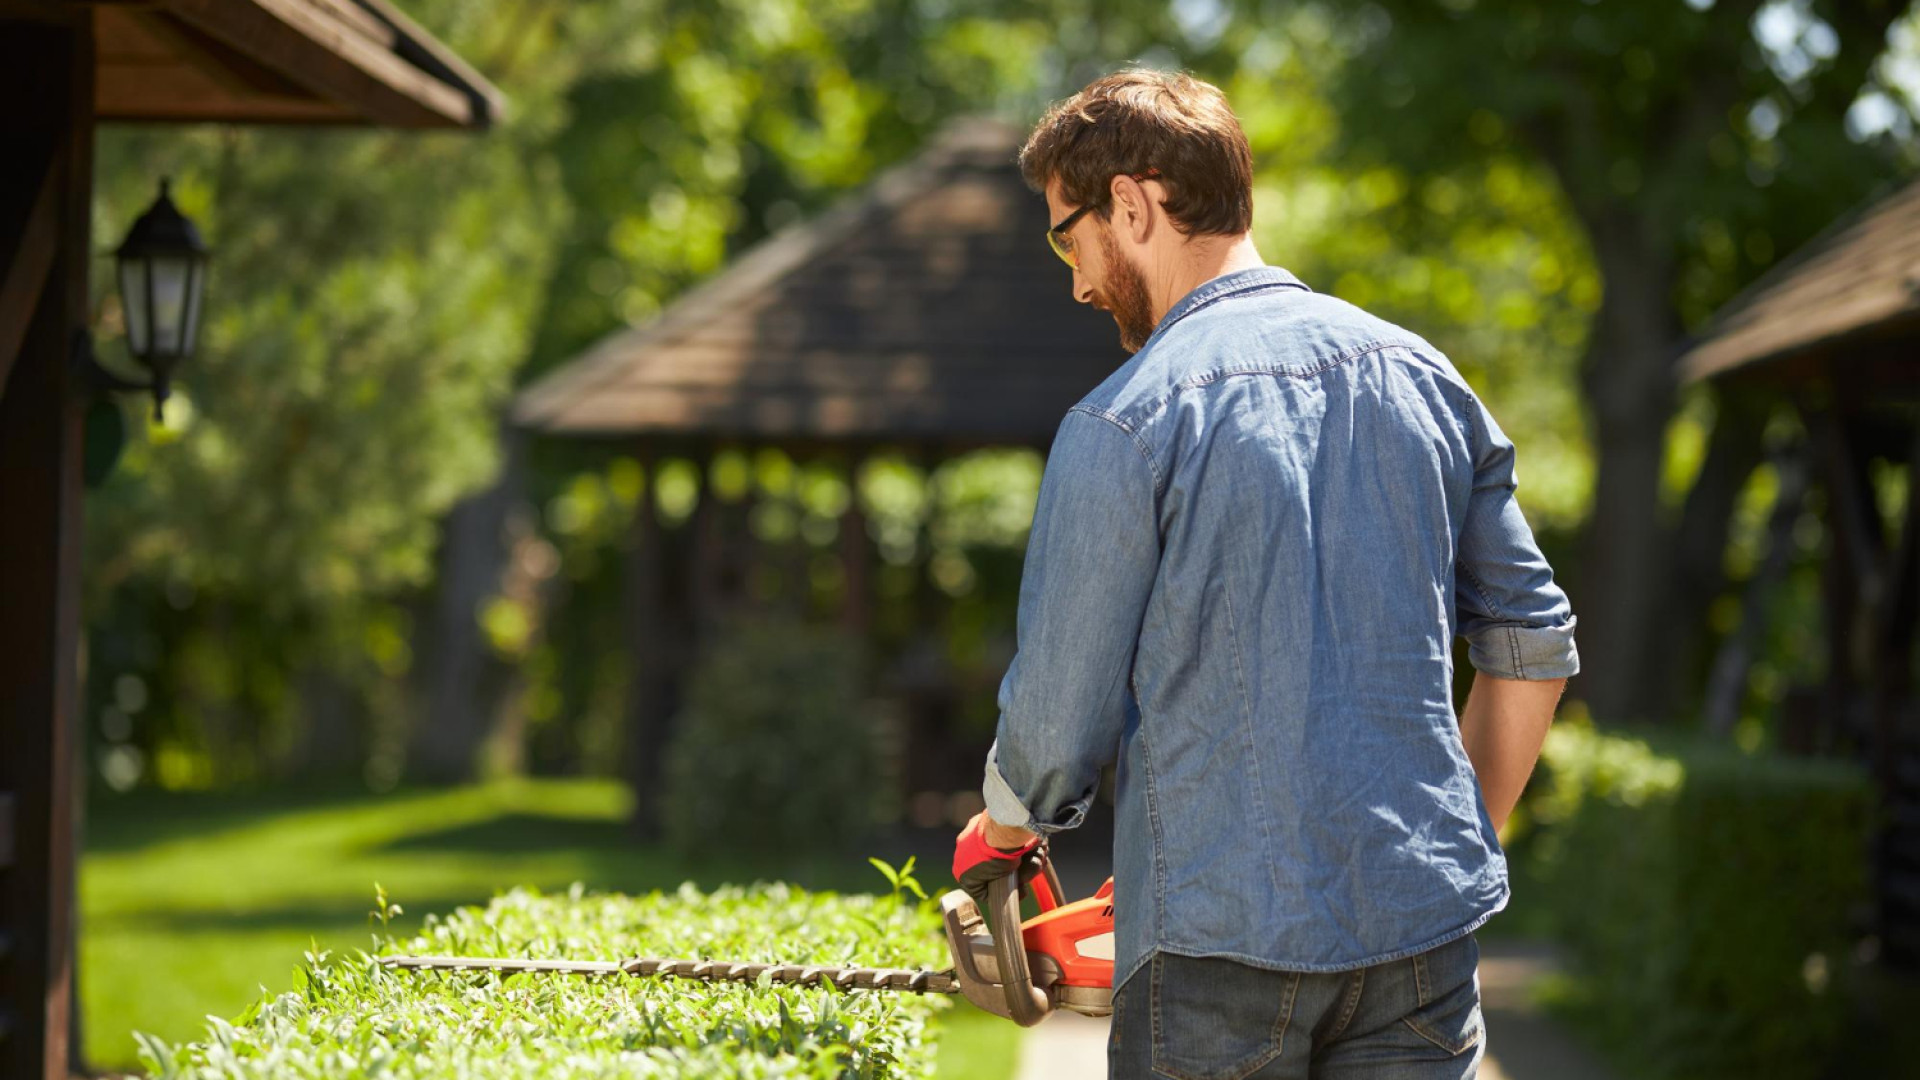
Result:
1006,808
1520,651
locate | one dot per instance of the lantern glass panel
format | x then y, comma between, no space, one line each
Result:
133,301
169,279
196,285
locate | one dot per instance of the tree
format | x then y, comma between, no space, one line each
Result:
1693,142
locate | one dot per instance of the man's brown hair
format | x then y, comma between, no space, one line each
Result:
1138,119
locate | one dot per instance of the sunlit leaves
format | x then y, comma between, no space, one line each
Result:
351,1018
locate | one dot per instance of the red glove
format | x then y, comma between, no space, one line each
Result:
977,864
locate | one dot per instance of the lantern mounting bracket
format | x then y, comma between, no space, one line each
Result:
100,380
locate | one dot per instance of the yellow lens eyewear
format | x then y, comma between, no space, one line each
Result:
1057,237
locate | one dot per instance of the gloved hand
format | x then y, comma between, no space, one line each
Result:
978,864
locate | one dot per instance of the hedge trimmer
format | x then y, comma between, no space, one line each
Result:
1061,959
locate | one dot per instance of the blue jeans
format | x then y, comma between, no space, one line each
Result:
1181,1018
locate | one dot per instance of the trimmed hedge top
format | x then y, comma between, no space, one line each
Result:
348,1017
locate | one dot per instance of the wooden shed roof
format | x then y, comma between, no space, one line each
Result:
1851,289
926,309
280,61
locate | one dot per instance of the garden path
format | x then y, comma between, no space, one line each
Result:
1523,1043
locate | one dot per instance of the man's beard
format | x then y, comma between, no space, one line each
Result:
1125,296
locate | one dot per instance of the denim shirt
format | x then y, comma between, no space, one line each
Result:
1254,545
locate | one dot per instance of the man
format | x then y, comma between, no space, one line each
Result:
1253,547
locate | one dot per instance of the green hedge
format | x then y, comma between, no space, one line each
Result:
349,1018
1710,899
774,751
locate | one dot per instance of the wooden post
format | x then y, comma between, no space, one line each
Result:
46,71
1727,683
856,560
707,551
796,556
1845,570
646,727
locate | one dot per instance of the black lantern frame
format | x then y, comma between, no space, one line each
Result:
161,268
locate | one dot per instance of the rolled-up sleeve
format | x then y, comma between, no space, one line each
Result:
1517,621
1092,556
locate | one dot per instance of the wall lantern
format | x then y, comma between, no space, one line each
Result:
162,269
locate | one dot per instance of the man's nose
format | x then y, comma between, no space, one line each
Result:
1082,289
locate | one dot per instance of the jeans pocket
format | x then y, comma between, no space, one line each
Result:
1446,984
1215,1019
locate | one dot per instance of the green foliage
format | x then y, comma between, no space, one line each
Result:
1717,136
348,1017
1708,898
902,879
775,750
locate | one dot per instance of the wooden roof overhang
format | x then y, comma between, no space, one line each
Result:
1847,304
927,310
66,65
356,62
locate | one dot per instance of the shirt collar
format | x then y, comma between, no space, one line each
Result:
1254,279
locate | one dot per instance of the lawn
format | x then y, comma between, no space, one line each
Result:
191,905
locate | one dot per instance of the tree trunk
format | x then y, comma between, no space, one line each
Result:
1629,384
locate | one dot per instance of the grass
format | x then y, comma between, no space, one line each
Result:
193,905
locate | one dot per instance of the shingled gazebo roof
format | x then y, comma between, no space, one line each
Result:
1852,294
925,310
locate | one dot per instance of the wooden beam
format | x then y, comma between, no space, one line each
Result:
646,638
708,550
430,54
1727,684
856,557
32,261
330,58
40,517
180,94
135,42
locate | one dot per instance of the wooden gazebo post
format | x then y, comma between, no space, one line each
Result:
46,70
856,560
646,727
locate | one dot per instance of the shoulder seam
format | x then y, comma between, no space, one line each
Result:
1139,444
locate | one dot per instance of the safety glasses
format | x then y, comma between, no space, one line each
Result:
1062,244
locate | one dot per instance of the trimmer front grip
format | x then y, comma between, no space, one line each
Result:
1027,1004
1007,990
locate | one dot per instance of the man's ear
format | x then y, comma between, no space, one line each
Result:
1132,209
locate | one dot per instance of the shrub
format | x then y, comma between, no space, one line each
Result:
1707,897
350,1018
774,750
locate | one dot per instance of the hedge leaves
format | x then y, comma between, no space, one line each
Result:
348,1018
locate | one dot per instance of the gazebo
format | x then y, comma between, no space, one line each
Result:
67,65
1834,334
925,314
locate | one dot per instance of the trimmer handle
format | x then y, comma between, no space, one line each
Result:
1008,990
1027,1005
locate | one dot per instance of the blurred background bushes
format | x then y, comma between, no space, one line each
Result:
777,749
1713,900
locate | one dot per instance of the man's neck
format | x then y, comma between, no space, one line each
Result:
1201,260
